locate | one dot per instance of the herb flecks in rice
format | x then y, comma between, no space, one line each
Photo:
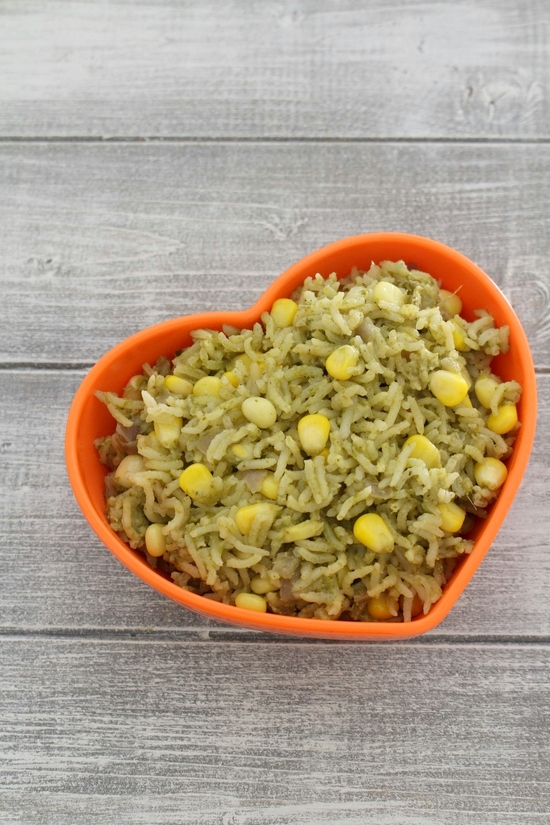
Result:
318,569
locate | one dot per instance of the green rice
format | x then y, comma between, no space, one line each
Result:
365,468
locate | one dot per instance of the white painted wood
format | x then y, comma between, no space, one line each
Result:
118,707
99,241
288,68
262,734
56,574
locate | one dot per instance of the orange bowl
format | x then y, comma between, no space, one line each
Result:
89,418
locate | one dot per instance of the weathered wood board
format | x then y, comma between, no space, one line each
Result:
160,158
250,733
99,241
291,68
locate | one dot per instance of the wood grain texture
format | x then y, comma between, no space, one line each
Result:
263,734
283,68
56,574
245,135
99,241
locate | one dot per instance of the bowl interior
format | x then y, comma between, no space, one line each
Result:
90,419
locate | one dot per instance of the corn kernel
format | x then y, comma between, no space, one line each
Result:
259,411
504,420
177,385
465,402
372,531
283,312
250,601
168,429
129,465
155,541
341,362
196,481
384,291
313,432
209,385
244,452
452,516
261,585
448,387
484,388
247,362
232,378
244,517
270,487
450,302
302,531
459,339
424,450
378,607
490,473
244,359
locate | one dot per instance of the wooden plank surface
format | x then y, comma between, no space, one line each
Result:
262,734
290,68
159,158
56,574
99,241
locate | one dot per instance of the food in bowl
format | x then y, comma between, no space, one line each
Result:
328,463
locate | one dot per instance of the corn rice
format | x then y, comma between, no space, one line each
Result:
327,463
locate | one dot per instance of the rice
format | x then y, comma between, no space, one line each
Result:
300,552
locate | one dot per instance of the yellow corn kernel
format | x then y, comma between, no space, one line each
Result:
244,517
283,312
490,473
325,453
452,516
448,387
459,338
465,402
372,531
302,531
155,541
247,362
259,411
232,378
341,362
180,386
196,481
378,607
313,432
250,601
168,429
424,450
129,465
504,420
261,585
244,452
450,302
209,385
270,487
484,388
388,292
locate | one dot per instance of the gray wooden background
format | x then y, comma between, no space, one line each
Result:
160,157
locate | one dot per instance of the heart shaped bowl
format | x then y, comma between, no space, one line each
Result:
89,418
